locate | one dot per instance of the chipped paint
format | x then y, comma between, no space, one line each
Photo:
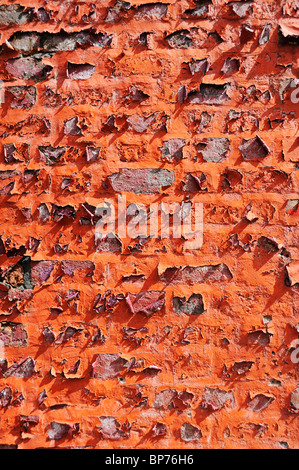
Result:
140,342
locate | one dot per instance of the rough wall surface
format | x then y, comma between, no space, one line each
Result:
141,343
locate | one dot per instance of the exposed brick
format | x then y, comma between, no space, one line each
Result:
139,341
146,181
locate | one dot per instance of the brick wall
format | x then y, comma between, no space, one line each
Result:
141,343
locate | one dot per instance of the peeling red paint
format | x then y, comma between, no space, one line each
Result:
139,342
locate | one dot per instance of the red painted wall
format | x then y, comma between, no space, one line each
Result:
142,343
